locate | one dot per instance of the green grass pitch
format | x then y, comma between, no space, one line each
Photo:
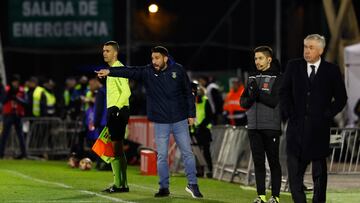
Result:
54,182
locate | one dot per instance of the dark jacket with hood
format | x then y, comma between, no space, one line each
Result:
261,99
168,92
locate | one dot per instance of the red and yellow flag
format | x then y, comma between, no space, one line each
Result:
103,146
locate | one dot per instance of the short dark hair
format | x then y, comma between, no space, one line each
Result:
266,50
160,49
114,44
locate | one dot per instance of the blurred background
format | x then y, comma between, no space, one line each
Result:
61,38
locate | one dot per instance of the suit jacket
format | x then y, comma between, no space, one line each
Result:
310,108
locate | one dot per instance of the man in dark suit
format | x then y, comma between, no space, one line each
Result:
312,93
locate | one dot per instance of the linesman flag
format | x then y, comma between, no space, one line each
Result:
103,146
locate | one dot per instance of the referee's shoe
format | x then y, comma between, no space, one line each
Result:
193,189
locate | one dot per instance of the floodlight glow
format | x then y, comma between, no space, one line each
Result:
153,8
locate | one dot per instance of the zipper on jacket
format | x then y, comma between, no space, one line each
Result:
256,108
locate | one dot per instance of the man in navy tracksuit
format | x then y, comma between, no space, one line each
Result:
171,106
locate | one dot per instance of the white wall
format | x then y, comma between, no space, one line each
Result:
352,80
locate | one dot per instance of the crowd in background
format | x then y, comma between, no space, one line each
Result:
79,99
82,99
42,97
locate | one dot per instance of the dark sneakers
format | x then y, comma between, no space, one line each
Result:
258,200
193,189
163,192
273,200
114,189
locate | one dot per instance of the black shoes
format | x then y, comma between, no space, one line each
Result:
193,189
114,189
163,192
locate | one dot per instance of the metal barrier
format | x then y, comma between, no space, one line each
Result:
54,136
229,149
234,155
46,136
345,151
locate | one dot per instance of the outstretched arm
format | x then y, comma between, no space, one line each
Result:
132,72
102,73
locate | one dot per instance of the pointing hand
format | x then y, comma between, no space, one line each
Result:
102,73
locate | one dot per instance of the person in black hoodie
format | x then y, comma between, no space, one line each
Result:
261,99
171,106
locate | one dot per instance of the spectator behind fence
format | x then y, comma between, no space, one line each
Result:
312,93
82,86
201,128
13,111
170,105
100,113
70,100
234,114
91,134
30,87
44,99
215,98
100,106
49,98
261,98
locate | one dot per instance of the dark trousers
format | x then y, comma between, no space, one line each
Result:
296,171
8,122
207,155
266,142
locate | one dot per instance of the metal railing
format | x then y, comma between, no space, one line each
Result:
46,136
345,151
232,157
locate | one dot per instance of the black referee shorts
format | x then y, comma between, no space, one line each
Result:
117,119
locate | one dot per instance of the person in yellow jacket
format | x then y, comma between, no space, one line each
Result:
44,100
202,126
117,102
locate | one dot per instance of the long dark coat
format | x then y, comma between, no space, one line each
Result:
310,108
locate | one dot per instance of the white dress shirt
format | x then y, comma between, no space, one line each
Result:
316,64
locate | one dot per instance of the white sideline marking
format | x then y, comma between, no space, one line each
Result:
64,186
143,187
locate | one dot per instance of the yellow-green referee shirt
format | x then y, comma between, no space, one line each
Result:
117,89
